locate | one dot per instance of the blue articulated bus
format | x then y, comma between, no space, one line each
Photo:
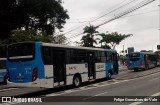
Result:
141,60
37,64
3,71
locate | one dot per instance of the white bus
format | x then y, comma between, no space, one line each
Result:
37,64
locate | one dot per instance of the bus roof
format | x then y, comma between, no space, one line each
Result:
149,53
66,46
77,47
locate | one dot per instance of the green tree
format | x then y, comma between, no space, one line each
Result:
28,35
77,43
42,15
23,35
105,40
113,38
88,40
60,39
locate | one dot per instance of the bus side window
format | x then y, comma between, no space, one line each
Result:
103,57
46,55
68,56
77,56
109,57
73,56
81,56
98,56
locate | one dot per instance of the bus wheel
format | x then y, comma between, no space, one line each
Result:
109,75
135,70
4,80
76,81
147,67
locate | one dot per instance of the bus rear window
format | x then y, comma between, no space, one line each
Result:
134,56
2,64
21,52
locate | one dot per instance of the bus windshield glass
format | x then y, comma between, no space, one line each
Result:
21,52
134,56
2,64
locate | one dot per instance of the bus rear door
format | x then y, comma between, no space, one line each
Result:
91,65
115,63
59,67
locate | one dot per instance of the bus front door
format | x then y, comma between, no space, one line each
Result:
115,63
91,65
59,67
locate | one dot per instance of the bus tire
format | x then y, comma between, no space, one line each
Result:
4,80
77,80
147,67
135,70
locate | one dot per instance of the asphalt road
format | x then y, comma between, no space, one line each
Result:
124,85
127,84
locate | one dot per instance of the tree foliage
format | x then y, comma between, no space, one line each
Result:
60,39
88,39
42,15
30,35
113,38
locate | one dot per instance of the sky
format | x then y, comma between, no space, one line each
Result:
143,23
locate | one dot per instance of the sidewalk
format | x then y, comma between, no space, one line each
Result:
121,67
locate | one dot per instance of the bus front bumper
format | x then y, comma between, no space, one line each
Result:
36,83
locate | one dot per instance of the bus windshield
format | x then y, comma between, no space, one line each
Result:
134,56
21,52
2,64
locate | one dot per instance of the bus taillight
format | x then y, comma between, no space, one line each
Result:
35,74
142,64
128,65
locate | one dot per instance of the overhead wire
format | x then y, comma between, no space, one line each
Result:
143,3
122,17
104,14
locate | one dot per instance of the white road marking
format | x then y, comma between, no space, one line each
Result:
8,89
81,89
68,91
95,95
137,103
154,79
88,88
10,103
